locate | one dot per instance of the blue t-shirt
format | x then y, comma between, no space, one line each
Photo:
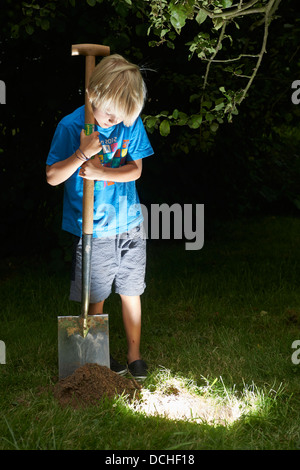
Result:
116,205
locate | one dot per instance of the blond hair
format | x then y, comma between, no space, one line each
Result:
117,86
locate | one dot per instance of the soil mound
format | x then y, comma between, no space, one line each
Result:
91,383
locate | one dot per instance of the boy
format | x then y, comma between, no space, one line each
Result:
117,94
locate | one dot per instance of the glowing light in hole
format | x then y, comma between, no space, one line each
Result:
179,399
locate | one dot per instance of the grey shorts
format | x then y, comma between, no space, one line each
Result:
118,261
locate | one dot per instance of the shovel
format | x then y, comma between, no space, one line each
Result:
84,339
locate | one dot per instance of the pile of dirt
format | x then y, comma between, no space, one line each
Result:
91,383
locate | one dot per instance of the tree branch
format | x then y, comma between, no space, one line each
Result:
212,58
231,60
238,11
269,11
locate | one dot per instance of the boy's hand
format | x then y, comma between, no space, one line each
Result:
90,144
92,170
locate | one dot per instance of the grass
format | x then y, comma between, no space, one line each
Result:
218,323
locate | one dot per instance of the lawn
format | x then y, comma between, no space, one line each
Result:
218,323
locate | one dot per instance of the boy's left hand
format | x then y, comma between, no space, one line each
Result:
92,170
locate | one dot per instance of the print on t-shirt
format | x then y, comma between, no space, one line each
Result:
111,156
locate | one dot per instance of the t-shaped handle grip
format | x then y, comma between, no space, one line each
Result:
90,49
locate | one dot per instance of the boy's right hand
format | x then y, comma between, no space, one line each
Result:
90,144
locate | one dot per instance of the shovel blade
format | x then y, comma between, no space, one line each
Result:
74,350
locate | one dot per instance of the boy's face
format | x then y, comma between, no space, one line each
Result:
106,118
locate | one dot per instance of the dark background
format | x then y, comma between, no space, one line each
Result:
247,168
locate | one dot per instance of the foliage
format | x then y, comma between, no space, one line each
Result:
167,20
223,38
219,22
248,165
214,18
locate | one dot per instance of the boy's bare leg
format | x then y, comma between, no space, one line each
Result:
96,309
131,311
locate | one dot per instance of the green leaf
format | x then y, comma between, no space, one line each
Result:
218,23
195,121
182,119
92,3
164,32
207,104
15,31
151,121
214,127
178,16
29,29
226,3
45,24
219,106
201,16
170,45
164,128
209,117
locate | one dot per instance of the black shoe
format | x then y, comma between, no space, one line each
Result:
117,367
138,369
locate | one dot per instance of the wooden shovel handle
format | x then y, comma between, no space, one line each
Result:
90,51
88,185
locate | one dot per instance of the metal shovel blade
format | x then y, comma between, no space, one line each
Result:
74,350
